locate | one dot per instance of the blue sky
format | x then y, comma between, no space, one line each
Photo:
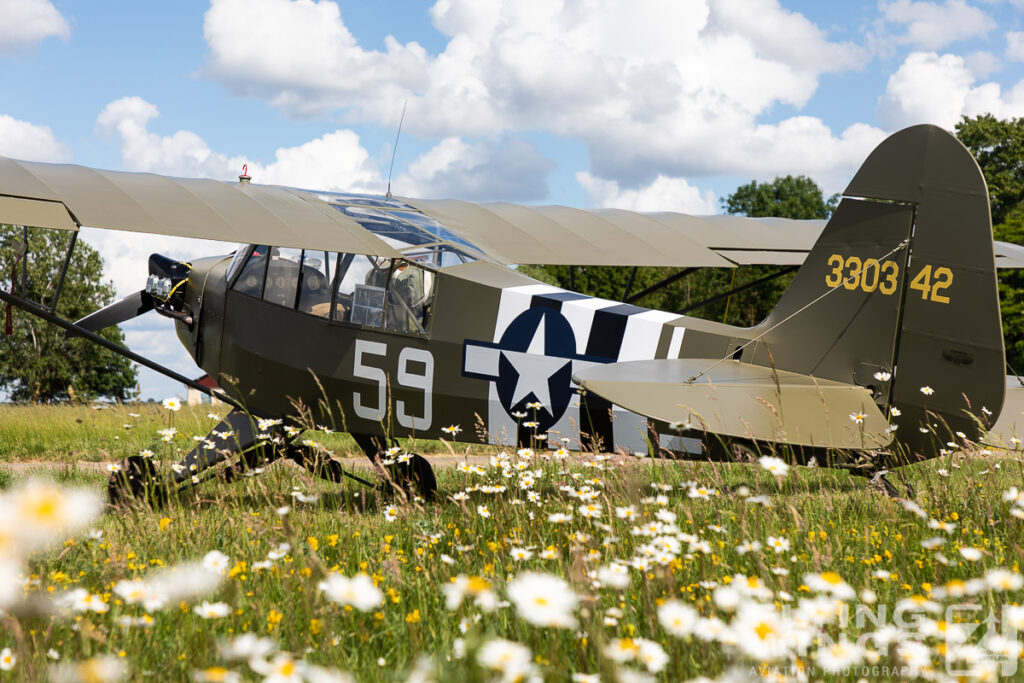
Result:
647,104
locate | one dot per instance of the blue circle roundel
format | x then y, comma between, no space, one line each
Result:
537,349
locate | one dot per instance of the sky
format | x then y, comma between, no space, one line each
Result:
640,104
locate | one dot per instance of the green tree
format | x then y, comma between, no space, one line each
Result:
37,362
797,197
785,197
998,146
1011,291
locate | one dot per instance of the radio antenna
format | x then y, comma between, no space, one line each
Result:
394,149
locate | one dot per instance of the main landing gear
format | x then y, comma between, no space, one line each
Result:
136,478
879,480
412,475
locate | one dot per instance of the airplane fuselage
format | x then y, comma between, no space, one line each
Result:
495,360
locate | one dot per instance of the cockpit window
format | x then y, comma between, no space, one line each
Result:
237,260
250,280
374,291
361,291
315,282
410,293
282,276
438,256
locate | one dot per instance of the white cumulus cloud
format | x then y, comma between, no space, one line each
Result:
24,140
334,161
664,194
940,89
651,86
1015,45
25,23
932,26
508,169
295,49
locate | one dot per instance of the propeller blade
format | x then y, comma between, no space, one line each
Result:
118,312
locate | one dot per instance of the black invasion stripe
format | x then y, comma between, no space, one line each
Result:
596,433
606,333
663,341
554,300
608,328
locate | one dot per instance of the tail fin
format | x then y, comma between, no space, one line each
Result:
899,293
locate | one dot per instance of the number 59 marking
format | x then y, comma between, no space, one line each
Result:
406,378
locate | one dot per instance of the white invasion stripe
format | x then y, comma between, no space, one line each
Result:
501,428
643,330
629,430
680,444
482,360
579,366
580,314
568,426
676,342
515,300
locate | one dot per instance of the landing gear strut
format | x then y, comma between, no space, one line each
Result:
879,481
137,478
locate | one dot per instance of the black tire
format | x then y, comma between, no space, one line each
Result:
415,477
136,481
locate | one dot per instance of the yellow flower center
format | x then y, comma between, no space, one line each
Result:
44,507
832,578
764,630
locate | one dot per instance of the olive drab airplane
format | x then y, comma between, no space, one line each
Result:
390,317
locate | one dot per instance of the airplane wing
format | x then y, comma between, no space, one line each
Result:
742,400
66,196
559,235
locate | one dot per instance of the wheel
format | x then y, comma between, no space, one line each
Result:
136,480
880,482
414,476
742,451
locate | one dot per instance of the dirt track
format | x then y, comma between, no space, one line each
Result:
445,461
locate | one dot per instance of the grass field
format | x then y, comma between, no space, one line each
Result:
533,567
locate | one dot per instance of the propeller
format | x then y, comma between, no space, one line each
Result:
163,292
118,312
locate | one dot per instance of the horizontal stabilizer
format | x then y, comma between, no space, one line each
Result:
742,400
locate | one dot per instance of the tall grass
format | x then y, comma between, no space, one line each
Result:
831,522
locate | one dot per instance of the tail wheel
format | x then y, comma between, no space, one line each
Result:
415,476
136,479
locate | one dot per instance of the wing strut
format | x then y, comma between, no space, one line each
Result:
64,271
659,284
741,288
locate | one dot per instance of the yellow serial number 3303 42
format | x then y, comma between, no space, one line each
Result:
869,275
